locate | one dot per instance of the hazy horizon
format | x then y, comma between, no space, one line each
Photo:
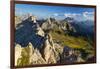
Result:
58,12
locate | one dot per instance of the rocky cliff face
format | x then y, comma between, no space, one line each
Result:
53,24
17,20
18,50
31,55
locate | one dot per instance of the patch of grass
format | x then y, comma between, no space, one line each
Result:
79,43
72,41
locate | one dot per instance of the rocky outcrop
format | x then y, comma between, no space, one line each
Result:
49,51
18,50
36,58
49,24
17,21
48,55
28,55
66,26
63,25
40,31
70,55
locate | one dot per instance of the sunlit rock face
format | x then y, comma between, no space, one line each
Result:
32,18
49,54
40,31
28,55
18,50
17,20
36,58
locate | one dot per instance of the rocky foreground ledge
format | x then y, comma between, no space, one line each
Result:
50,53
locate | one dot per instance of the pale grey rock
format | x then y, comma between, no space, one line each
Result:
18,50
36,58
40,32
49,50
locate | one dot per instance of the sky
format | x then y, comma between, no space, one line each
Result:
58,12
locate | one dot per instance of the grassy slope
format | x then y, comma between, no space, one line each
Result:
71,41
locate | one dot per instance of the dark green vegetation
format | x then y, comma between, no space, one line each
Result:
78,43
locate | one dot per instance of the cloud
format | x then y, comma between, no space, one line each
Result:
77,16
88,15
71,14
56,14
81,16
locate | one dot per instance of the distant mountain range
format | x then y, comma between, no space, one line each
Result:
84,28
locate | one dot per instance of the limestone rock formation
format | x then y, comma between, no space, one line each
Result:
40,31
49,24
31,55
49,50
18,50
28,55
36,58
17,20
